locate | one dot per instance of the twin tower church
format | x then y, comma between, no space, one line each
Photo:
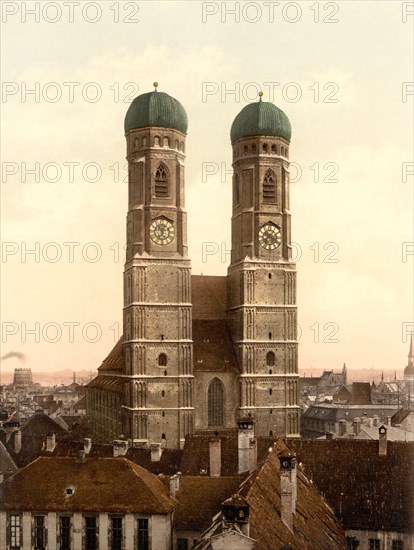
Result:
198,352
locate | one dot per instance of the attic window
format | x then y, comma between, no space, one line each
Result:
69,491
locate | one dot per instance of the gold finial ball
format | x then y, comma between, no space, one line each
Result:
260,94
155,85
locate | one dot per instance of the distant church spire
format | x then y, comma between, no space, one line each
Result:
410,353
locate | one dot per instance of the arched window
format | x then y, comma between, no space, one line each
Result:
165,142
270,359
157,141
162,360
274,148
216,403
269,187
246,149
264,147
253,148
237,188
136,143
161,182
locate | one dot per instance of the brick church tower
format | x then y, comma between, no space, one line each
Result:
202,353
158,374
262,278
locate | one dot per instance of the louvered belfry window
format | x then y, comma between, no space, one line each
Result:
215,403
161,182
269,187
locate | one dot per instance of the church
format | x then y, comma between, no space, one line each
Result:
202,353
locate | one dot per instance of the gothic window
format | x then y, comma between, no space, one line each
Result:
162,360
270,359
216,403
269,187
237,188
161,182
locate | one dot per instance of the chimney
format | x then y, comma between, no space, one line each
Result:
288,489
175,484
389,420
369,422
17,441
375,421
246,433
342,427
382,446
50,443
120,447
252,454
87,444
156,452
81,457
215,458
357,426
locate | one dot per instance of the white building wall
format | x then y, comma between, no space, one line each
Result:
161,532
27,530
3,529
129,531
103,532
51,526
385,538
77,527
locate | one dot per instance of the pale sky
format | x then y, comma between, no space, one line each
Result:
336,69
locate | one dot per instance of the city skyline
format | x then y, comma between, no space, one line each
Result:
349,124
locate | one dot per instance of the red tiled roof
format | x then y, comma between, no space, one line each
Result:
114,362
377,491
314,524
114,485
41,425
195,461
213,348
209,297
200,499
169,464
400,416
107,383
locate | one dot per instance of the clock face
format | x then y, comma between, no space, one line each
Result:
270,236
162,231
